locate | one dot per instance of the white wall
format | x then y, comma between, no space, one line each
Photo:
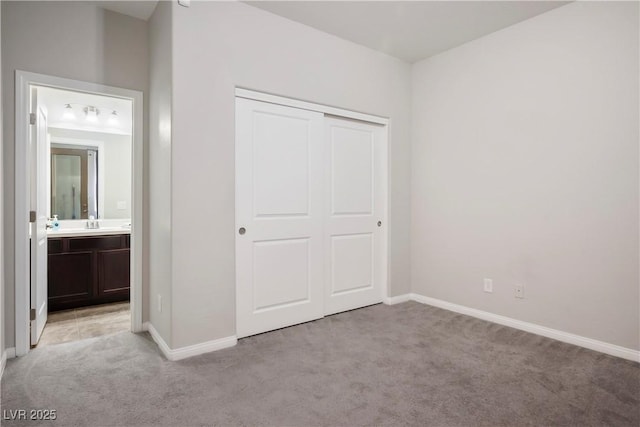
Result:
525,170
116,152
221,45
117,180
160,92
75,40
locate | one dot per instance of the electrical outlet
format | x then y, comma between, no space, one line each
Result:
519,291
160,303
488,285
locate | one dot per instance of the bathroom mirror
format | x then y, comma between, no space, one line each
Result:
74,183
89,153
90,175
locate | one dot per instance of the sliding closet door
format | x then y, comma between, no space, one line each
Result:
355,250
279,198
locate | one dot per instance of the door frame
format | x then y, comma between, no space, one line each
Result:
347,114
23,81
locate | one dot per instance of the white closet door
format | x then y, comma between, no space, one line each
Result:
355,252
279,198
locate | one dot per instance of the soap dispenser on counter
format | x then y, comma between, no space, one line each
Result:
55,224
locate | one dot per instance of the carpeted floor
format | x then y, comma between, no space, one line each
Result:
408,364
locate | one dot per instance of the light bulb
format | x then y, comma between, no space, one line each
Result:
113,118
92,113
68,113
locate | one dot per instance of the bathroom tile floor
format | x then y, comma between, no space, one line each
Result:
86,322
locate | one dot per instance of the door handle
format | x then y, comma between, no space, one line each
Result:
379,223
242,230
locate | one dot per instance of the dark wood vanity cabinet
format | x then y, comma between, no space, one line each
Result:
88,270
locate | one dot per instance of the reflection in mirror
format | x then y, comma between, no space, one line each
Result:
74,182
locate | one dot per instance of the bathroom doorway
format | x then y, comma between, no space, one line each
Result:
79,252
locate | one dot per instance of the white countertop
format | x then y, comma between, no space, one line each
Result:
78,232
78,228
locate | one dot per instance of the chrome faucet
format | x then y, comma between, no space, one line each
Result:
93,223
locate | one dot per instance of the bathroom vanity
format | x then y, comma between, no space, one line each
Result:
92,267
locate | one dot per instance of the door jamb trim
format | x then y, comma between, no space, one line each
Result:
23,81
304,105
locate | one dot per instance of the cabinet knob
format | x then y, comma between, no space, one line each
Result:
242,230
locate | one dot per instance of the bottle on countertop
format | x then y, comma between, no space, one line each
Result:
55,224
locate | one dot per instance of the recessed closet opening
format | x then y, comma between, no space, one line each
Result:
311,209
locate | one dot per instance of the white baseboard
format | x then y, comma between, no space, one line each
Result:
164,348
8,353
3,363
397,299
189,351
602,347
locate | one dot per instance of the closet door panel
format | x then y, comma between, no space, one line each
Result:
351,263
354,251
351,167
279,208
281,165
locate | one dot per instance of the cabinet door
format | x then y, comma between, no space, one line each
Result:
113,271
70,277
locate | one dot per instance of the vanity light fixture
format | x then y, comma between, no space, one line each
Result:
113,118
91,113
68,113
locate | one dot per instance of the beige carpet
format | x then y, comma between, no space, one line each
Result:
408,364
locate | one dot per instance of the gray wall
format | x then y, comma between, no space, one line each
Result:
75,40
525,170
220,45
160,94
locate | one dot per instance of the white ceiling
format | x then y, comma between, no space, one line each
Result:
141,9
55,101
409,30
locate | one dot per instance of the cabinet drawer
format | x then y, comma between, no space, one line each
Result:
54,246
100,243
